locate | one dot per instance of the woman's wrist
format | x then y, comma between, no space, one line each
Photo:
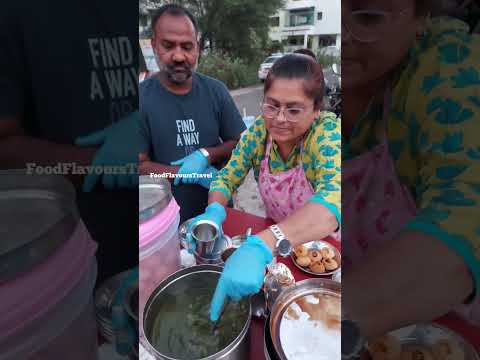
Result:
217,197
268,238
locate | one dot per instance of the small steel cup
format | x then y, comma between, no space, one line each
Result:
205,233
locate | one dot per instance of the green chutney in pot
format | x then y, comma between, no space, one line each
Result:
182,328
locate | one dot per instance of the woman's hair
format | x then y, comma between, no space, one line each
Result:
302,67
306,52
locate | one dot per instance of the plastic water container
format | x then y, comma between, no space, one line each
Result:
159,250
48,272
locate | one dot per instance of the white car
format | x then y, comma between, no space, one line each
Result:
266,66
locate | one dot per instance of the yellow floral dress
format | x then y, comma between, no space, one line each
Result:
434,135
321,160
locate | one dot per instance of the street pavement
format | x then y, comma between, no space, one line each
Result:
248,198
248,100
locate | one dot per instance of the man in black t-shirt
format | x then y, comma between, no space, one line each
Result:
68,70
189,121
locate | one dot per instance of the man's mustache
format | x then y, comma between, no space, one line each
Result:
176,67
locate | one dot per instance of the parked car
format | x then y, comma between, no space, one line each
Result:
266,65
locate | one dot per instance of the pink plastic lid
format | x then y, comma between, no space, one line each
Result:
32,294
157,225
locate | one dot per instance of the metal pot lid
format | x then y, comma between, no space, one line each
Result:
40,214
36,209
29,219
20,179
153,196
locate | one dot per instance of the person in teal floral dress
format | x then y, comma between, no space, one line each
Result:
431,124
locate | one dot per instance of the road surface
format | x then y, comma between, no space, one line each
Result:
248,99
247,197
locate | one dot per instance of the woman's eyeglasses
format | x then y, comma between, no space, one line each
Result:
369,25
291,114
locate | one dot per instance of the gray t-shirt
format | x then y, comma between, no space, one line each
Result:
173,126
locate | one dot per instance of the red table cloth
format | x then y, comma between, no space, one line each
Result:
238,222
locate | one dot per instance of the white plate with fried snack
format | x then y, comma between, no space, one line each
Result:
426,342
318,258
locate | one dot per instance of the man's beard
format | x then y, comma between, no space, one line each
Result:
176,76
173,75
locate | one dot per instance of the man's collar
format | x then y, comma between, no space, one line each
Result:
161,77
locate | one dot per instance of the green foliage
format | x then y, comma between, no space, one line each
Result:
274,47
234,34
326,60
234,72
236,27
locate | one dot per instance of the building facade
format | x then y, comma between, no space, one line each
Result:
312,24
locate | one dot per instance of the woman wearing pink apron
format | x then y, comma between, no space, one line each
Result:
294,150
397,269
285,192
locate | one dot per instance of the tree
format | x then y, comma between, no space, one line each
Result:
236,27
145,8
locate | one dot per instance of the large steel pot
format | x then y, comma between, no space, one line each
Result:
288,297
268,347
238,349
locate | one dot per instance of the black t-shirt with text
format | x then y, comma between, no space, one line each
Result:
68,69
173,126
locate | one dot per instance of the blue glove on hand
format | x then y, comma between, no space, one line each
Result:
242,275
126,336
214,212
118,147
195,163
206,181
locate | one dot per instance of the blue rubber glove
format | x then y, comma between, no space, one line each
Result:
125,335
206,181
214,212
242,275
195,163
118,147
